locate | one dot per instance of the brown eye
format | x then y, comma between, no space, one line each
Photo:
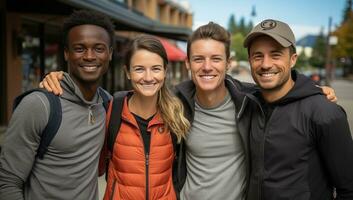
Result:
156,69
78,49
138,69
99,49
217,59
197,60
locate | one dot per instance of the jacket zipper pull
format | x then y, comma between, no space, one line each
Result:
91,118
147,159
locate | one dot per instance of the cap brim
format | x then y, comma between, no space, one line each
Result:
283,42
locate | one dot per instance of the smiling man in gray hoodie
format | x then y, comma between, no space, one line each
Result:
69,168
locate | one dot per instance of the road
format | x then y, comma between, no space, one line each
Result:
344,92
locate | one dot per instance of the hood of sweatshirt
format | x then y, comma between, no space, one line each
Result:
303,87
72,92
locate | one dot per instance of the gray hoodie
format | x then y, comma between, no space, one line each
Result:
69,168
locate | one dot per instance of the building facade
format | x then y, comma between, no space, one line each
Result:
31,39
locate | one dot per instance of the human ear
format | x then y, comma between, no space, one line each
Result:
293,60
66,53
127,72
187,63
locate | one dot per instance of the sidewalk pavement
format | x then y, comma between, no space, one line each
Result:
344,92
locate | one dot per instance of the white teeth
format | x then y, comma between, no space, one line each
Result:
268,74
91,69
207,77
147,85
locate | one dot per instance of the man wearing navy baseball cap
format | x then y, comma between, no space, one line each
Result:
301,145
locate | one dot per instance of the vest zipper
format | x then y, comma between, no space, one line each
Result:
147,179
147,160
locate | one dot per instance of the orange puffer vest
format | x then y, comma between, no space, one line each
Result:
130,169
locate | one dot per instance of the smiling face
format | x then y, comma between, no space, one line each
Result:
88,53
271,65
146,72
208,64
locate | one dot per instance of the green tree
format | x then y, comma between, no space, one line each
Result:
232,26
344,47
249,27
237,46
302,61
347,11
319,51
242,27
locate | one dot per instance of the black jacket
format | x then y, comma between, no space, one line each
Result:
301,147
186,93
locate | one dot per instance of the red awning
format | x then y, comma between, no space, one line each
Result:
173,52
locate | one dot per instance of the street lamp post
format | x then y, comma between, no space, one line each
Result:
328,55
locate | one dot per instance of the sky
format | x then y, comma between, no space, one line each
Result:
303,16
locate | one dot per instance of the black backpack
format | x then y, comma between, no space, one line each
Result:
115,118
55,116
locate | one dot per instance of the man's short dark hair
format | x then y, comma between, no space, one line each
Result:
88,17
212,31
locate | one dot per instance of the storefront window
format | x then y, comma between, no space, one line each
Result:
38,59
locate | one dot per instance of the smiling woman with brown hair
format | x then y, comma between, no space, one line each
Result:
143,155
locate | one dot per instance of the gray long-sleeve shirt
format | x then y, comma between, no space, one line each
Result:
69,168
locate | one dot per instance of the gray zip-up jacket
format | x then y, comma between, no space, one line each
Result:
69,168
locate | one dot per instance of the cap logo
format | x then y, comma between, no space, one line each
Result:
268,25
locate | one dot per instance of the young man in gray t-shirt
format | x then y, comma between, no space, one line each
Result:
216,151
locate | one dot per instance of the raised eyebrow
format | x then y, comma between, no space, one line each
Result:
277,51
157,66
256,53
101,44
197,56
137,66
77,45
82,44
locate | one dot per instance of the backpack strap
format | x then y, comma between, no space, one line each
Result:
105,97
54,121
115,118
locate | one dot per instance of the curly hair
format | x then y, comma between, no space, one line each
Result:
88,17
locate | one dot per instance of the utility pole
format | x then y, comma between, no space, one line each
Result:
328,63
